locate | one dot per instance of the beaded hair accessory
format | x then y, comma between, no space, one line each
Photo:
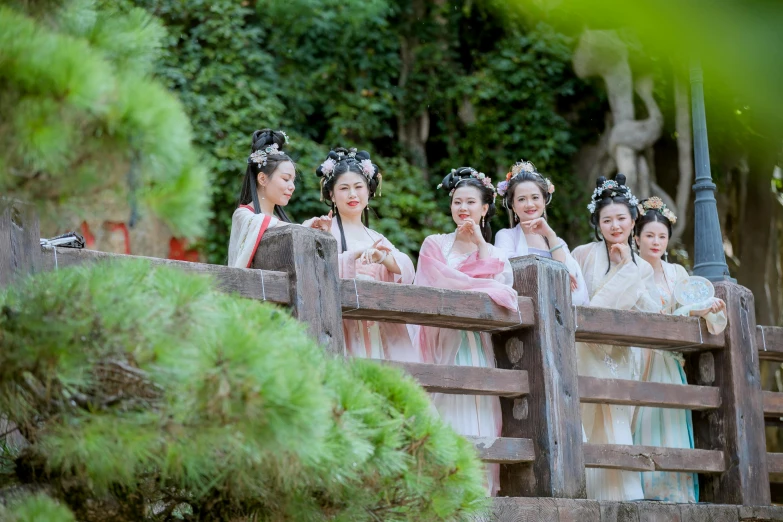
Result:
483,178
615,190
518,168
656,203
259,157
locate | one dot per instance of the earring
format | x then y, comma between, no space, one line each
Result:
482,221
666,256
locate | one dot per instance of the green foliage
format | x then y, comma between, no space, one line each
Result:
148,389
35,508
335,73
80,111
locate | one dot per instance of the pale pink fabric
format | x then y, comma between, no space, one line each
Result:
469,415
373,339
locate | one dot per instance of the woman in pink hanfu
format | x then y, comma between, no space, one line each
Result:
465,260
349,180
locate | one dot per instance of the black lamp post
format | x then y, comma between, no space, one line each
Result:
709,259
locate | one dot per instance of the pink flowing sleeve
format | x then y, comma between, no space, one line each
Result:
474,274
346,264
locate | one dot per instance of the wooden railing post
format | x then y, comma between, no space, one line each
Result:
310,259
737,426
20,250
550,415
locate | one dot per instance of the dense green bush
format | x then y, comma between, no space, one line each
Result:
143,391
81,114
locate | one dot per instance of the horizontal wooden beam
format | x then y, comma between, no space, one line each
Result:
775,462
650,458
619,391
388,302
504,450
395,303
769,340
627,328
467,380
243,281
773,404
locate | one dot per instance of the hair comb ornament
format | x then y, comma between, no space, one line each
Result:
656,203
259,157
615,189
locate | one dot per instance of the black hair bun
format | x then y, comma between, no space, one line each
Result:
600,181
620,179
266,137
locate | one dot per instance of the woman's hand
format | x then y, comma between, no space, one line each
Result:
619,253
718,305
539,226
375,254
323,223
470,231
574,282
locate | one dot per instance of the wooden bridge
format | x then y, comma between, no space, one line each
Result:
541,451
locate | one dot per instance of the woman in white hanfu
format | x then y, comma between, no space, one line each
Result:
667,427
349,179
615,279
465,260
266,189
526,194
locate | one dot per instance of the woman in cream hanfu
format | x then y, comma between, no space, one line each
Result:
348,180
526,194
465,260
266,189
615,279
671,428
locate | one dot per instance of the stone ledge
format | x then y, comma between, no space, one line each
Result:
507,509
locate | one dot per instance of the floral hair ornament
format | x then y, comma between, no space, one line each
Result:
483,178
518,168
327,167
259,157
656,203
615,190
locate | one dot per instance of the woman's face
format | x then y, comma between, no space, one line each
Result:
350,193
653,240
466,203
528,202
278,187
615,223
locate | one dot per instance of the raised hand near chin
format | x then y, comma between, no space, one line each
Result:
620,253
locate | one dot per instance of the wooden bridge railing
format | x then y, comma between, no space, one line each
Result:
541,447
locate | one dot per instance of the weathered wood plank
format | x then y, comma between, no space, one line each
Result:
775,462
379,301
619,391
550,414
20,251
6,253
665,332
769,340
737,426
467,380
773,404
504,450
310,260
395,303
651,458
246,282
